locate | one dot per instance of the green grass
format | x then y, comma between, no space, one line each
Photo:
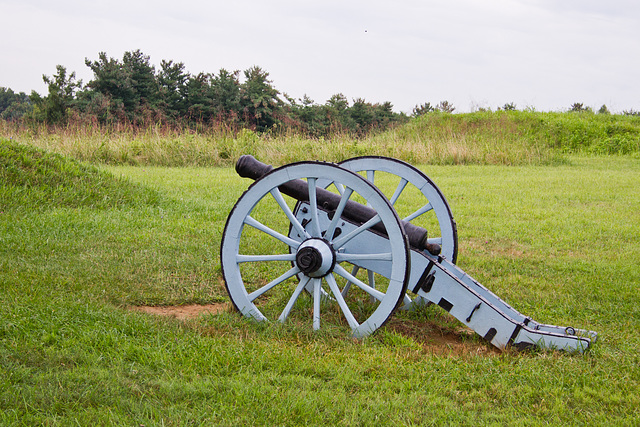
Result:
559,243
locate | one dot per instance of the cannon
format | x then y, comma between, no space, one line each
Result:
360,252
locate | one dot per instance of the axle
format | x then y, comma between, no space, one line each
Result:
248,167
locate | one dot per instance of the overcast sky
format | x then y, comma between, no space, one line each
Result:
545,54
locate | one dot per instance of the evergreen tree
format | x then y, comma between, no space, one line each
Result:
7,97
130,85
198,98
226,94
172,83
259,99
383,115
362,114
338,111
425,108
61,95
110,80
445,107
13,105
142,80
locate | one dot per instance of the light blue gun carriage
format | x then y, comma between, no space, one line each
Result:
328,231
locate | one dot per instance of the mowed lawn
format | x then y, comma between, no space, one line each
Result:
559,243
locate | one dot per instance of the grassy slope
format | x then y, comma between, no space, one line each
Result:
36,179
559,243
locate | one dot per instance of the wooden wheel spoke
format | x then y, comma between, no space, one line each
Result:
293,299
342,257
255,294
399,189
287,211
347,286
347,192
265,258
371,176
317,298
313,204
368,289
343,240
260,226
372,282
423,210
351,320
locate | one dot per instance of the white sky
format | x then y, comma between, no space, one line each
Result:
545,54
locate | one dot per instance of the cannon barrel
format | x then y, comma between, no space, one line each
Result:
248,167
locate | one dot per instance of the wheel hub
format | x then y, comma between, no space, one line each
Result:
315,258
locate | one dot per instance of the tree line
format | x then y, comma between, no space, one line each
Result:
131,90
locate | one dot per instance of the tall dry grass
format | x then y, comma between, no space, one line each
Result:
434,139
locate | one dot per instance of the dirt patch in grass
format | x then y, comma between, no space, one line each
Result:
183,312
433,338
437,340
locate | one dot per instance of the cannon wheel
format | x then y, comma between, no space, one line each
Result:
434,203
262,217
431,211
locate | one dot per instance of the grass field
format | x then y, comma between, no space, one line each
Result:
79,247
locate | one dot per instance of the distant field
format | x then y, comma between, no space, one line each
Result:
79,246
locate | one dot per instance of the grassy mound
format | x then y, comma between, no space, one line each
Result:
504,131
31,178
